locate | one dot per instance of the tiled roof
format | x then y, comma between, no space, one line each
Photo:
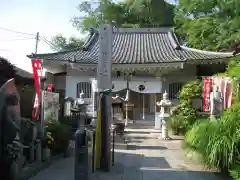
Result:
23,73
137,46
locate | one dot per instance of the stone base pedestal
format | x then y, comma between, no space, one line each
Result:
38,151
46,154
164,134
164,129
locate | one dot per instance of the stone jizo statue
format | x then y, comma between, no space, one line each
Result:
216,103
79,101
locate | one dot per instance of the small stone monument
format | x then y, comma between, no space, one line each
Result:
216,103
165,105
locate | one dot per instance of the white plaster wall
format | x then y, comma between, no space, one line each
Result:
74,77
181,76
71,84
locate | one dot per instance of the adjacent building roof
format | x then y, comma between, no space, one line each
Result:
23,73
136,46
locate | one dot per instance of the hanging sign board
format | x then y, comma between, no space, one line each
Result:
51,106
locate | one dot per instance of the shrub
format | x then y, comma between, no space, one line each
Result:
235,172
176,124
190,91
217,142
185,115
61,135
198,137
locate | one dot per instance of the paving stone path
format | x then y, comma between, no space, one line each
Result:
144,158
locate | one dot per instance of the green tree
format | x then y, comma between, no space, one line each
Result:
61,43
151,13
128,13
209,24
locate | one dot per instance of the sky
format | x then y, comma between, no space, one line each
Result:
48,17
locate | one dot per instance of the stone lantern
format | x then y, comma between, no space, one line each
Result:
165,105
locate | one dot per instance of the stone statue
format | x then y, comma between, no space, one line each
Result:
79,101
10,132
165,105
10,147
216,103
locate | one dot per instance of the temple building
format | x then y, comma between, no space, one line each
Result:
152,59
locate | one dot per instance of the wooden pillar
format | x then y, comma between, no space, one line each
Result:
158,122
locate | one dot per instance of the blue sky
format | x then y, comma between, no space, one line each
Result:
48,17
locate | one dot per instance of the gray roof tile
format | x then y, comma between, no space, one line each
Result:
23,73
137,46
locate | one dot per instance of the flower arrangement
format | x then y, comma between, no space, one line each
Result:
48,140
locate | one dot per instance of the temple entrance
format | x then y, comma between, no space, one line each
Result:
140,105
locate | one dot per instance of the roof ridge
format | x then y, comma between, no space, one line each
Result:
142,30
173,40
90,41
207,52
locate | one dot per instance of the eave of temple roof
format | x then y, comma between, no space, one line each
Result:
137,46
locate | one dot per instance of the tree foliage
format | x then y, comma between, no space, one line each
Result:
128,13
209,24
61,43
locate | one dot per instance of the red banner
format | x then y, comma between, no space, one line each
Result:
37,72
50,88
228,95
207,88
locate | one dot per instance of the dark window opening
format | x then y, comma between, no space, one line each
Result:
174,90
86,88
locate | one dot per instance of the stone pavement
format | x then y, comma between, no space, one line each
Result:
144,158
